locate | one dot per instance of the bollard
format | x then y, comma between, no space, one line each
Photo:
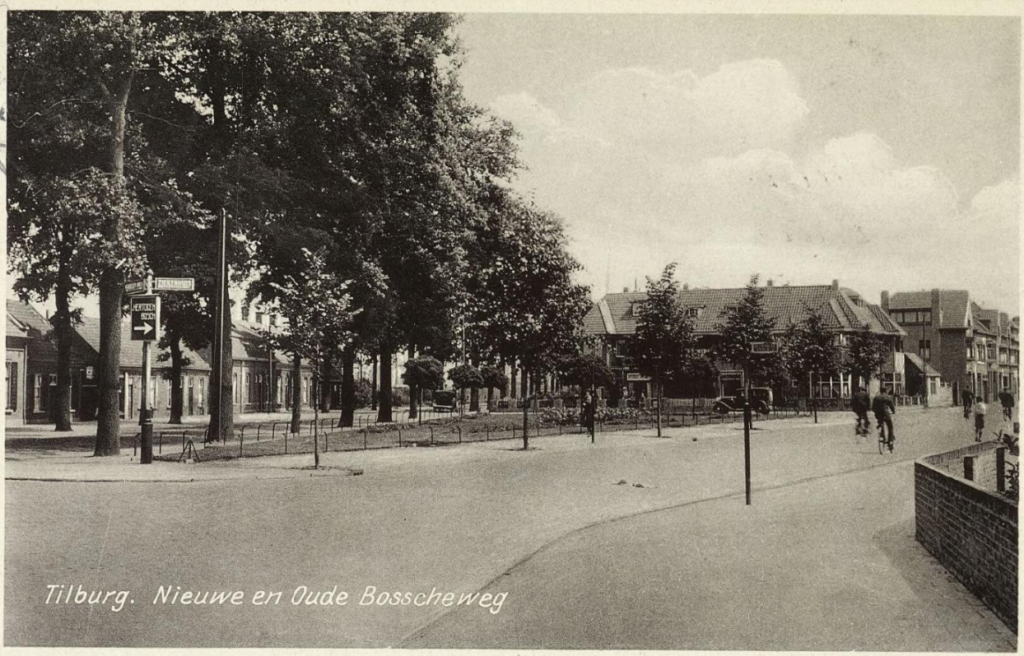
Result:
431,434
364,439
160,443
286,442
259,427
241,436
459,428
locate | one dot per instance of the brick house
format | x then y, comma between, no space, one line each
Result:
32,368
970,346
613,320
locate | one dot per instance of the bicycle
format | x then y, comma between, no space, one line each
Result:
882,441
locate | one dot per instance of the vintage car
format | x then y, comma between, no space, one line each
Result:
760,402
445,401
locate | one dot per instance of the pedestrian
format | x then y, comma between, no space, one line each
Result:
968,400
588,413
860,404
884,409
1006,399
980,410
642,403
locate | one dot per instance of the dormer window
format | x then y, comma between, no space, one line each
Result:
636,308
694,312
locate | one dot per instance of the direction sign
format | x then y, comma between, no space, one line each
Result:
763,347
135,287
145,317
174,284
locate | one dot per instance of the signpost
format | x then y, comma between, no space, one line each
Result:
145,327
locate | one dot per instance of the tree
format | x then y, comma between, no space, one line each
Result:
810,349
588,371
663,342
69,143
319,313
745,324
422,373
465,376
494,378
866,354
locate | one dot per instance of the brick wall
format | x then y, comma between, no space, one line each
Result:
971,530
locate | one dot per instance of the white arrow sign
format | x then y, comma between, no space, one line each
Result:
145,328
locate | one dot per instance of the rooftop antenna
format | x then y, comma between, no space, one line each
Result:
608,274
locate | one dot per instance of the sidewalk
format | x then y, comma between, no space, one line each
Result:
60,462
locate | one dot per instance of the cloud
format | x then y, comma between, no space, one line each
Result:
714,172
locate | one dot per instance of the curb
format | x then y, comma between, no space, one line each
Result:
342,472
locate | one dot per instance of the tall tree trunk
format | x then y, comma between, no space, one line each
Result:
325,385
474,392
296,392
317,368
108,428
177,400
62,327
524,383
512,382
413,398
373,385
348,386
384,411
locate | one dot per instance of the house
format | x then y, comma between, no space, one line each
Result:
614,318
32,368
972,347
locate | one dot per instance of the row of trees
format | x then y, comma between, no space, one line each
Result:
666,348
361,193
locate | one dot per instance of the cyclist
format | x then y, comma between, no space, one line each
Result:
860,404
884,409
1006,400
980,410
968,400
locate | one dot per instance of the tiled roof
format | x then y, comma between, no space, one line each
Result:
922,365
786,304
28,316
131,350
953,305
14,329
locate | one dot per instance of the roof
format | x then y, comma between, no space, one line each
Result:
953,305
15,328
921,364
27,316
131,350
843,309
249,342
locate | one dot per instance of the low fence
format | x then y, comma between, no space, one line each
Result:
274,438
964,521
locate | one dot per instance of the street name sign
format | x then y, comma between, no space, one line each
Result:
174,284
135,287
145,312
763,347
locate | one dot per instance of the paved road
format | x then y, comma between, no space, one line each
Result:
457,518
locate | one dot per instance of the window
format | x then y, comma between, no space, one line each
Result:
259,316
12,386
167,393
991,352
694,312
248,388
925,317
38,397
932,387
202,393
924,347
236,393
636,308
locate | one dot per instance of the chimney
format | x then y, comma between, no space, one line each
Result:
686,286
769,283
835,285
885,301
625,290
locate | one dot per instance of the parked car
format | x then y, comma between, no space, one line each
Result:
760,402
445,401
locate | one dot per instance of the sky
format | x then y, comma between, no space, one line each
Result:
880,151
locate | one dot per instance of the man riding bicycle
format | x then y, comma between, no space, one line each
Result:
968,401
860,404
884,409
